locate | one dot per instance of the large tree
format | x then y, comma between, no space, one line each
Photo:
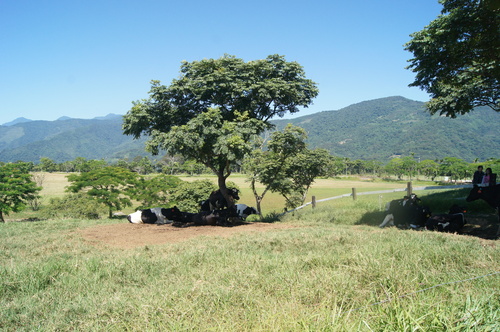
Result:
17,188
214,109
457,57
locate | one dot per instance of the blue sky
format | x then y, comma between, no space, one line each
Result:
86,58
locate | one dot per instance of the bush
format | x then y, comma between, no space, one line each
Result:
77,206
189,195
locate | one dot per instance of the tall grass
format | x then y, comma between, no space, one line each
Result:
318,275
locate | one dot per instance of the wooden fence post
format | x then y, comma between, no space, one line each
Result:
354,197
409,189
313,202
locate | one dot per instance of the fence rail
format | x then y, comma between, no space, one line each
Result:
409,189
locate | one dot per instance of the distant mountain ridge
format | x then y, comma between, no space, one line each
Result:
16,121
67,139
377,129
62,118
393,126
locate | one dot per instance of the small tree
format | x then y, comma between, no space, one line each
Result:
108,185
395,166
302,170
409,165
47,165
455,168
142,165
16,188
429,168
268,166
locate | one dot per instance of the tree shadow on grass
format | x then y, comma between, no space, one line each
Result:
481,220
485,226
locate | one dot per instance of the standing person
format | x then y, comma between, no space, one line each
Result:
489,178
477,179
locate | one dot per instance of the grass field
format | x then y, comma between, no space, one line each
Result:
331,270
54,185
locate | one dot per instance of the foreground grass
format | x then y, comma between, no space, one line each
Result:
330,272
334,271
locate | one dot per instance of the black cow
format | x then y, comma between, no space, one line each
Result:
453,222
217,201
406,212
490,195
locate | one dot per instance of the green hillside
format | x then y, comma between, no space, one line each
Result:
381,128
65,140
375,129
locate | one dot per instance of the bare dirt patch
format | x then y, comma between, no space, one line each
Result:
129,236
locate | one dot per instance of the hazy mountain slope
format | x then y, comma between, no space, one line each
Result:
381,128
375,129
67,139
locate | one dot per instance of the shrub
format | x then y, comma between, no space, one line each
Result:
78,206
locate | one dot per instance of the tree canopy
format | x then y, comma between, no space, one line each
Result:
457,57
264,88
213,110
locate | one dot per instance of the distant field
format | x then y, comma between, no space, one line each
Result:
54,185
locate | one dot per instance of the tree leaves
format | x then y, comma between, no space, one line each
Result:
16,188
457,58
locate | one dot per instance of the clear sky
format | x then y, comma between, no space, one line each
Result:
88,58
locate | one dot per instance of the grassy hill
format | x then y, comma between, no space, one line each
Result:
375,129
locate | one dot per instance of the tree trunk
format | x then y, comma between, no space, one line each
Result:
258,199
221,179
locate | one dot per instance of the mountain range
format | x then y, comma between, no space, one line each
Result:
377,129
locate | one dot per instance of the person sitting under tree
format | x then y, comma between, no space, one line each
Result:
477,179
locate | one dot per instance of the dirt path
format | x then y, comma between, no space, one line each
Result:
128,235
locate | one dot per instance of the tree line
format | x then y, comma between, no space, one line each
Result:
286,167
402,167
